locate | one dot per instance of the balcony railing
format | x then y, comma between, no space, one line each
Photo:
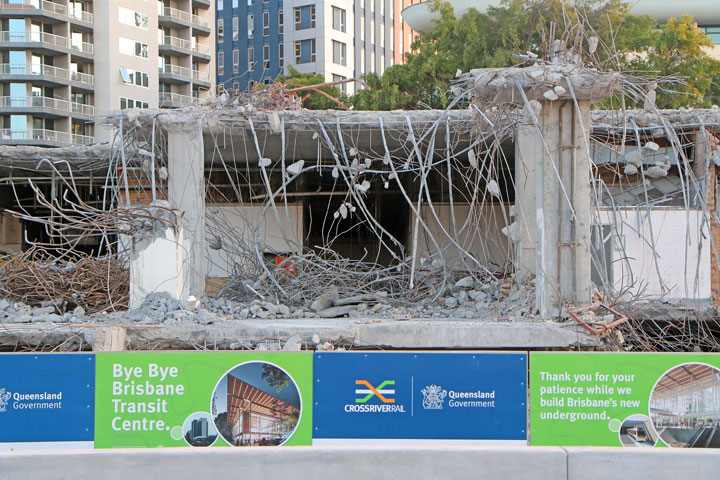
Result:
82,139
34,69
49,7
85,78
200,76
203,49
36,134
81,15
176,42
168,99
176,70
174,13
40,37
83,109
198,20
45,103
84,47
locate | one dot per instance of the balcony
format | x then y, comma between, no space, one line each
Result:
175,45
201,52
47,42
83,47
199,76
174,100
175,73
81,16
201,24
201,3
33,72
174,17
84,79
78,139
35,105
29,8
39,137
83,109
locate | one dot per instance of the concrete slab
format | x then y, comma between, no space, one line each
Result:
349,332
361,463
587,463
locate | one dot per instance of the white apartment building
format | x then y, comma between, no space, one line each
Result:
67,62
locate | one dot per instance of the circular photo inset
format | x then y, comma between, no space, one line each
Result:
256,404
198,430
685,406
637,431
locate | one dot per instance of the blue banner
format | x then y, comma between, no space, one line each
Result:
449,396
47,398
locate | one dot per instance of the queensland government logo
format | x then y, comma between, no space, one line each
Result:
4,398
364,403
433,397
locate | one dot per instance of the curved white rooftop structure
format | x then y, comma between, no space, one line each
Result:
706,12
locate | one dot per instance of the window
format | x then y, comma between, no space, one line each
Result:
133,18
382,36
338,19
304,17
362,29
236,61
372,32
250,2
266,57
130,103
236,87
281,21
221,63
392,10
305,51
372,62
251,59
342,86
372,6
281,55
713,33
382,7
236,28
362,63
141,49
134,77
392,38
266,24
220,30
362,3
220,5
251,25
131,47
235,3
339,51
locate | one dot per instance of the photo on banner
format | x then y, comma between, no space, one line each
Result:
47,401
203,399
625,399
403,398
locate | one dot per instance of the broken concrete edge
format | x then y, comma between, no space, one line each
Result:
308,334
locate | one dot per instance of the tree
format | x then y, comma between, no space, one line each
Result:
315,100
482,40
275,377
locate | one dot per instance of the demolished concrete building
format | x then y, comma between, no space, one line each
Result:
479,227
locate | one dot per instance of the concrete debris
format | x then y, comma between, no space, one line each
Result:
465,282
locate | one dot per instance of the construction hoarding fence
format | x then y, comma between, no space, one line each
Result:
201,399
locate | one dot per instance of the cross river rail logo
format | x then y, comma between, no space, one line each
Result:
381,393
22,400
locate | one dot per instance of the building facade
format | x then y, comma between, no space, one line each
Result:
66,63
339,39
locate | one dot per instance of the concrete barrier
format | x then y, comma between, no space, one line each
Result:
363,463
360,463
592,463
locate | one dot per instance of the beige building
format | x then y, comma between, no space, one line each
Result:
67,62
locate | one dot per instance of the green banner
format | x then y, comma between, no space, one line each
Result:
625,399
200,399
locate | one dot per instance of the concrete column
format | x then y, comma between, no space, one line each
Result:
556,207
186,195
528,152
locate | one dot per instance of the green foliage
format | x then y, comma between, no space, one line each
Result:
315,100
275,377
489,39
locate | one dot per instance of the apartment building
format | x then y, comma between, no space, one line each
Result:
337,39
66,63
